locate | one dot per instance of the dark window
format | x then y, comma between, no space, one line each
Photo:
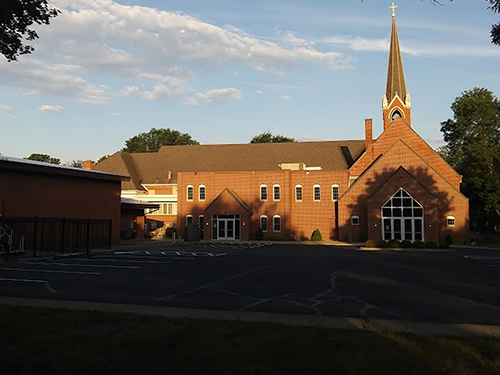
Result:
263,223
277,224
317,192
276,193
263,193
298,193
335,192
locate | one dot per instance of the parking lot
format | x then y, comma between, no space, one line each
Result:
439,286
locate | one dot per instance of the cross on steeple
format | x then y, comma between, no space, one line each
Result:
393,7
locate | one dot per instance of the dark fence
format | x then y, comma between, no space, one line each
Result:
45,236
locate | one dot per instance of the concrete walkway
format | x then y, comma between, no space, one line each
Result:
303,320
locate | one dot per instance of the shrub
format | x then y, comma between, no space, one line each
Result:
316,236
289,237
395,244
406,244
370,243
168,232
418,245
444,245
448,239
303,237
259,235
431,245
381,244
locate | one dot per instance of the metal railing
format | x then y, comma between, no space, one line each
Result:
48,236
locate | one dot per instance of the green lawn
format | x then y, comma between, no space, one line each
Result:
49,341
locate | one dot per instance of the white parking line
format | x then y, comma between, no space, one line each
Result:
126,261
23,280
49,271
47,285
82,265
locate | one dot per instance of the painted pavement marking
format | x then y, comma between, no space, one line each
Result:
81,265
46,283
49,271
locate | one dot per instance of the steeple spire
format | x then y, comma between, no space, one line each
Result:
396,86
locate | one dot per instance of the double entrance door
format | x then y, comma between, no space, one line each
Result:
225,227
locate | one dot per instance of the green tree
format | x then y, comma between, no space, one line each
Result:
155,138
44,158
473,148
104,157
267,137
75,164
16,17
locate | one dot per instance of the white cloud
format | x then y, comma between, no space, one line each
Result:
416,49
51,108
220,95
285,97
290,38
39,78
145,49
8,111
259,92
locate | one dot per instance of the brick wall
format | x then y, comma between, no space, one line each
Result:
29,194
296,217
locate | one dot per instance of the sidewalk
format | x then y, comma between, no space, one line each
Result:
422,328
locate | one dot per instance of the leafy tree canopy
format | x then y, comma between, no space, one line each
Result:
473,148
16,17
267,137
104,157
155,138
44,158
75,164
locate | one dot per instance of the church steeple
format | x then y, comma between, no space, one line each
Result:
396,101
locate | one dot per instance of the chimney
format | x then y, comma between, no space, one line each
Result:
368,134
89,165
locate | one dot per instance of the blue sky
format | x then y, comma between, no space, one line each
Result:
226,70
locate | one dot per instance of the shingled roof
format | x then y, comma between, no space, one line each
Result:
162,167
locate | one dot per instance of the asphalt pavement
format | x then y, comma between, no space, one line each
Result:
455,291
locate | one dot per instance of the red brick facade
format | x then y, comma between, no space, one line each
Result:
30,191
393,187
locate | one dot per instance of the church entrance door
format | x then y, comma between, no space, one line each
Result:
402,218
225,227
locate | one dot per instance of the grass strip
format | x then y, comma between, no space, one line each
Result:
58,341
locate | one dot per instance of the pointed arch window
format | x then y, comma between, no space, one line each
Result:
402,218
396,114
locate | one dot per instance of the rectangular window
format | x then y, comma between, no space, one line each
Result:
450,221
335,192
298,193
317,193
276,193
190,193
355,220
263,223
263,193
202,193
277,224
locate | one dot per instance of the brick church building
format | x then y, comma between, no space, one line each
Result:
392,187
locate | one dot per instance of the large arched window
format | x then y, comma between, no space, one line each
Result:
402,218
